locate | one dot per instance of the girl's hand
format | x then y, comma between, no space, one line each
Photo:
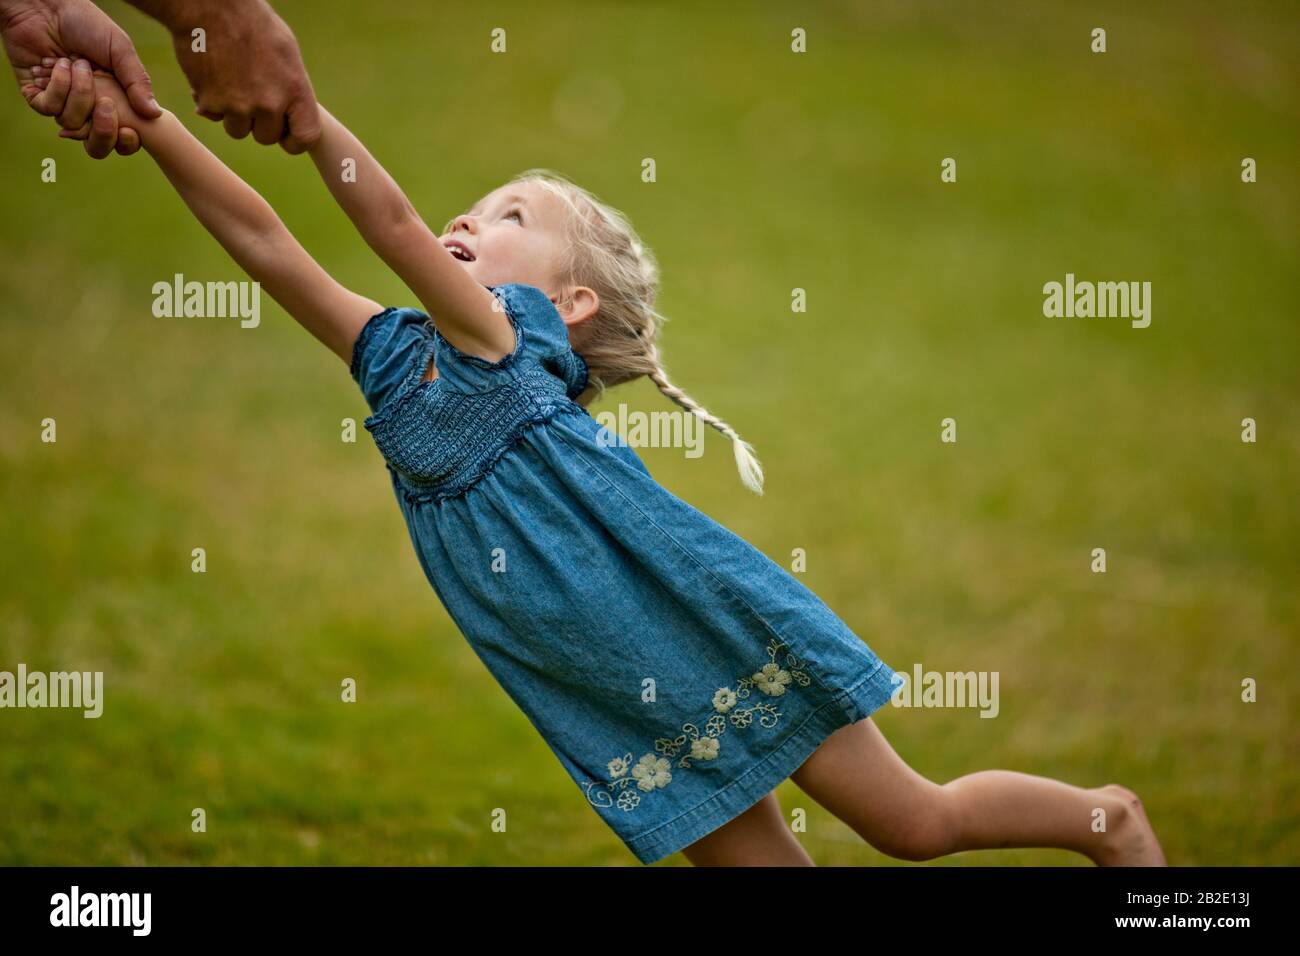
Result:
114,121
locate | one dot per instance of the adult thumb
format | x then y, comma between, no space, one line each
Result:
130,72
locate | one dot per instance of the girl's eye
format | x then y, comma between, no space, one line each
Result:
517,215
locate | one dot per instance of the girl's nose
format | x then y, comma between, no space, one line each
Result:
463,221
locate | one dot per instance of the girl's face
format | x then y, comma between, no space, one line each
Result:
513,234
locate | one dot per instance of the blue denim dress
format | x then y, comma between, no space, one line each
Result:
676,671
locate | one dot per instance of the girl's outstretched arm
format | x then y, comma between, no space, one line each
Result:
465,312
248,228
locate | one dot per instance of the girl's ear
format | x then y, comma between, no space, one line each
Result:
579,306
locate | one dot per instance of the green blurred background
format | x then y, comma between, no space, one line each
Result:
775,171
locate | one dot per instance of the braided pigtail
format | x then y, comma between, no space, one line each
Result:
751,473
619,342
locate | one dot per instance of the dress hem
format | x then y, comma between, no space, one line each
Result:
847,707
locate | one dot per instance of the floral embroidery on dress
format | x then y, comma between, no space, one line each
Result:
653,771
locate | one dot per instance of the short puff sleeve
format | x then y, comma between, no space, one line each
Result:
386,351
541,338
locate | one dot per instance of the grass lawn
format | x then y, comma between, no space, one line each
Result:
775,171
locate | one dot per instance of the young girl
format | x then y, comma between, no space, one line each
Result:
677,673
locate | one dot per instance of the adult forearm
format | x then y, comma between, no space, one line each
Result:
184,15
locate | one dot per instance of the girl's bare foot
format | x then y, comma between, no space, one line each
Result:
1129,839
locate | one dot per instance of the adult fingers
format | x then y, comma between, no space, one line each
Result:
130,72
103,129
50,101
87,29
128,141
268,126
304,125
237,125
205,113
82,98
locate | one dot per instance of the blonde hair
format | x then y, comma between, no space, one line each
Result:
621,344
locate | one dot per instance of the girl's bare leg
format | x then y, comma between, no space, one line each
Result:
857,776
758,837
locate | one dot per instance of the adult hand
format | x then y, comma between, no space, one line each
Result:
67,83
250,74
46,31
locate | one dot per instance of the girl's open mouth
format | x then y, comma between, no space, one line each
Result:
460,251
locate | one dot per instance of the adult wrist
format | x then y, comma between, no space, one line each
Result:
182,17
